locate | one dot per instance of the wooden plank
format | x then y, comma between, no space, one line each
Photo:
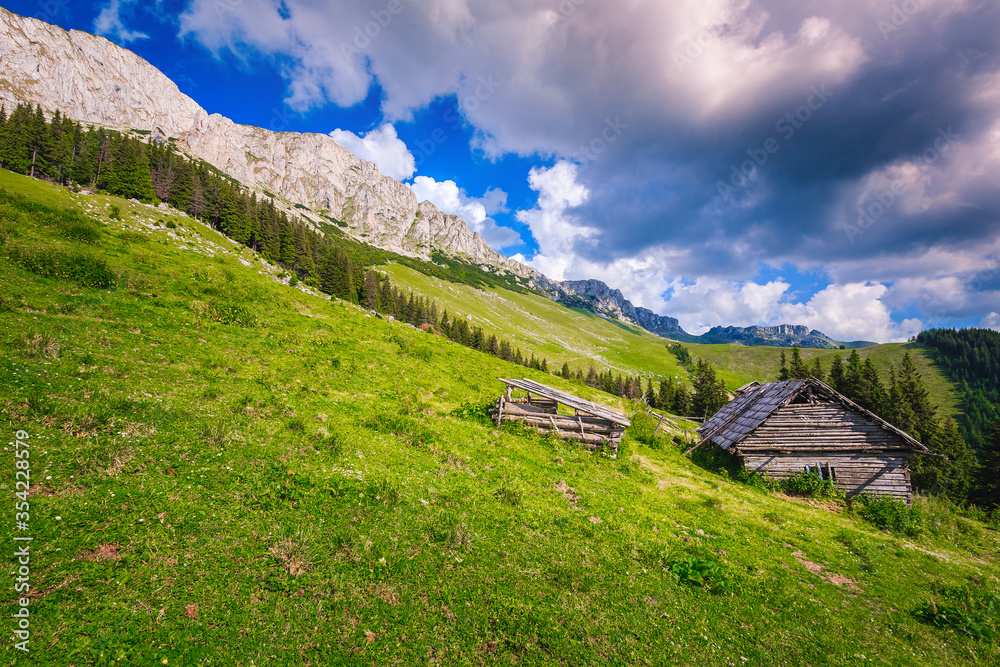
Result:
568,399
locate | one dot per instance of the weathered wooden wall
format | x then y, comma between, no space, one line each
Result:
861,473
860,455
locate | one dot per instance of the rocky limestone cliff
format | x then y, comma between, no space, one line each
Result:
783,335
597,296
91,79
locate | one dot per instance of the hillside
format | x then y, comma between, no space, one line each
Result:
228,469
577,336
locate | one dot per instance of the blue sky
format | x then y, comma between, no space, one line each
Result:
726,162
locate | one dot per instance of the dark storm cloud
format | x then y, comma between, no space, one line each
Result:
900,105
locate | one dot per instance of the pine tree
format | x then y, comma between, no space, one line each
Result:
817,370
783,371
836,379
566,373
798,369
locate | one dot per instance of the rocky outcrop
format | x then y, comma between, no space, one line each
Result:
783,335
90,79
597,296
661,325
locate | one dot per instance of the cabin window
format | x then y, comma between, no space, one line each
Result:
824,470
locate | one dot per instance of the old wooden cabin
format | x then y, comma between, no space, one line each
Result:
595,426
783,428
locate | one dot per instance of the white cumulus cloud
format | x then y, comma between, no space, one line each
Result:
448,197
382,147
109,24
552,222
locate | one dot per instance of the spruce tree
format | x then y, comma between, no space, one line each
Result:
852,377
988,492
836,379
650,395
817,370
665,396
798,369
873,393
783,371
709,391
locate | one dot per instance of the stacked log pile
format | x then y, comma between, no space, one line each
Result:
541,414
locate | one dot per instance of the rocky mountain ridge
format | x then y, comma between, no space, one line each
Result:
782,335
92,80
595,295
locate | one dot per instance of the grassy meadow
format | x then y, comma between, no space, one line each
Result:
229,470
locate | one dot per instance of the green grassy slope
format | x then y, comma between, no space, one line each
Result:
546,328
318,489
560,334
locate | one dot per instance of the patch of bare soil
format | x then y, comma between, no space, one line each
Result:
569,493
838,580
106,551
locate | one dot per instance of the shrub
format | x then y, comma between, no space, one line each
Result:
695,571
293,280
508,495
215,433
775,518
78,228
234,313
385,492
133,237
810,485
889,514
82,268
171,224
42,345
473,412
972,612
642,429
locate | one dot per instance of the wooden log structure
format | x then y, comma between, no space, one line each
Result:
594,426
787,428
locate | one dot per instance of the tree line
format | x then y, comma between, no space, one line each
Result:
971,358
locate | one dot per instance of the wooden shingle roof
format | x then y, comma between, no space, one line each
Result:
569,399
741,416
